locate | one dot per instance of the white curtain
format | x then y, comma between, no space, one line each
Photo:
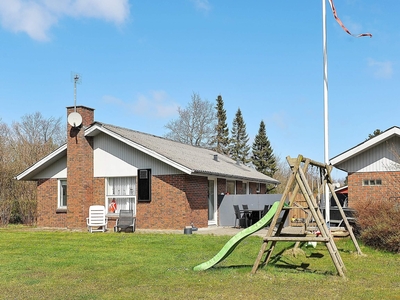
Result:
119,187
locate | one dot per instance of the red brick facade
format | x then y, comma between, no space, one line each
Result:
357,191
47,202
177,201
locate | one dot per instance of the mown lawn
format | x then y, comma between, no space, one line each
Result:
38,264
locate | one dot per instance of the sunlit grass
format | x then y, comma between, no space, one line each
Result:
78,265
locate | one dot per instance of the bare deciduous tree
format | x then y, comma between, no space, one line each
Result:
21,145
195,125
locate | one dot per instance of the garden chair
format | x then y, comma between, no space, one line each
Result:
97,220
239,216
125,220
247,214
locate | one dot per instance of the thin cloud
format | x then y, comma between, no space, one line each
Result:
202,5
381,69
280,120
155,105
37,17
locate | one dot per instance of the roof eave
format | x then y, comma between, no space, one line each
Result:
244,178
28,174
364,146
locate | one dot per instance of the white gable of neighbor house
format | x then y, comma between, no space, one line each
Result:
113,158
381,158
56,170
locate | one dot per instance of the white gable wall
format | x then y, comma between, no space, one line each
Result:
113,158
55,170
381,158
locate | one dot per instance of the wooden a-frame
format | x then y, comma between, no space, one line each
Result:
298,180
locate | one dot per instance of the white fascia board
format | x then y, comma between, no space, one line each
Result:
42,162
365,145
233,177
92,132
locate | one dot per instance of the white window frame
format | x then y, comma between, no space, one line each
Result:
245,184
60,199
120,195
372,182
258,189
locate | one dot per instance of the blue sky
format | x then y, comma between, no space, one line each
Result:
140,60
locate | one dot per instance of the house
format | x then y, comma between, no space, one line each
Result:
373,167
169,185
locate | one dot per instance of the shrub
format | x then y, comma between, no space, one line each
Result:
378,222
5,211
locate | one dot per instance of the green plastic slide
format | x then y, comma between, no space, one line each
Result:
235,240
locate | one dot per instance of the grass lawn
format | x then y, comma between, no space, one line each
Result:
38,264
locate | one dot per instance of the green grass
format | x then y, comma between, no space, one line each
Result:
77,265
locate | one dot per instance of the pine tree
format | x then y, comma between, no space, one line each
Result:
239,149
222,132
263,158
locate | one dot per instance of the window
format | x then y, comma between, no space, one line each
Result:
62,193
258,188
372,182
121,194
144,185
231,187
244,187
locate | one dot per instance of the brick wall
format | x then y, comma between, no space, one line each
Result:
221,186
390,186
80,169
177,200
196,189
47,202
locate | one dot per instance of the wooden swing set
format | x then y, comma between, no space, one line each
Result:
298,183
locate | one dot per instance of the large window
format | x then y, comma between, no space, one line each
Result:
121,194
62,193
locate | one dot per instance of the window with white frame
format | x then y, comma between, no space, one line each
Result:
62,193
121,194
231,187
244,187
258,190
372,182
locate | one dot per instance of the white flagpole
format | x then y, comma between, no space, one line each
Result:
326,136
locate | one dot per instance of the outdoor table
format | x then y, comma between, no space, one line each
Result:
252,215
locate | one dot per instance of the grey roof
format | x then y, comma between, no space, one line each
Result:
364,146
189,159
198,160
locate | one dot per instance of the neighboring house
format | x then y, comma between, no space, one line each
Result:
169,185
373,167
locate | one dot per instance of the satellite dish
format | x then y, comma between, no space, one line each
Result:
74,119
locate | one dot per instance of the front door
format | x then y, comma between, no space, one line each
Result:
212,203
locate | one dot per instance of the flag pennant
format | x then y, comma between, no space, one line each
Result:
342,25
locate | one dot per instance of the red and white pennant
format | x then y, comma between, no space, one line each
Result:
342,25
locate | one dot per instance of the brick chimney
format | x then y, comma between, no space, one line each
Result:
79,169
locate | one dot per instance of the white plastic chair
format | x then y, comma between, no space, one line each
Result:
97,220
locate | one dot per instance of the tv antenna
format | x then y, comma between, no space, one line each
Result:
74,118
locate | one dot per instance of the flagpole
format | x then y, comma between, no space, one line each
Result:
326,133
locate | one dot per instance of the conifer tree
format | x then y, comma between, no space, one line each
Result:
222,132
239,149
263,158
